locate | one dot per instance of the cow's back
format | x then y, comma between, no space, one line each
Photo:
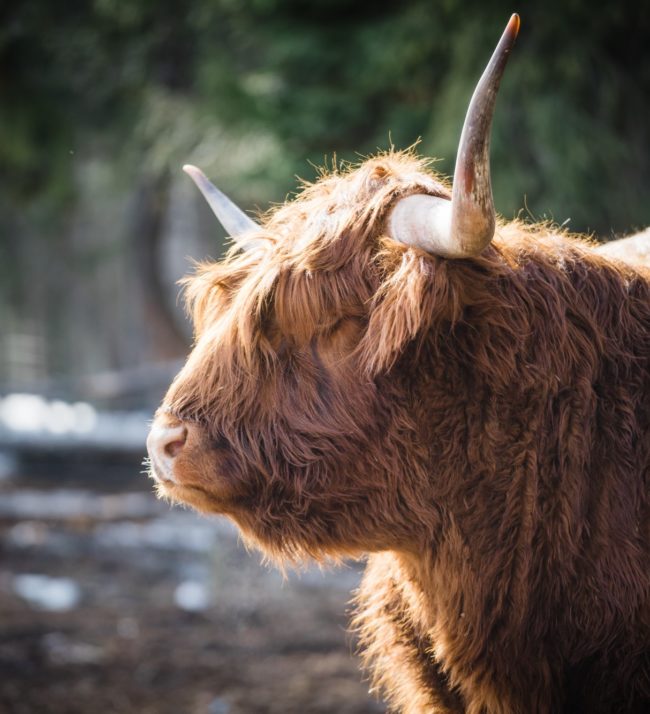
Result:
634,249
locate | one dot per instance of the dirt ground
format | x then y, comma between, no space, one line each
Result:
112,602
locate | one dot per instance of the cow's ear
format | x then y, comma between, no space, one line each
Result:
414,296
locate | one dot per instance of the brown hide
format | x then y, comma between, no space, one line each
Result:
481,427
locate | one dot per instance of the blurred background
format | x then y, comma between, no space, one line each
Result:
109,600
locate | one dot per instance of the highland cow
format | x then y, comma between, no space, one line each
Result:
381,370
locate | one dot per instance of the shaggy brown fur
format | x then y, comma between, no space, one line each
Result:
481,427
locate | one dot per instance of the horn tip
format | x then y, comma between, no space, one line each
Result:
513,25
192,171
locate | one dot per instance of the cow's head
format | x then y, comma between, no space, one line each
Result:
297,412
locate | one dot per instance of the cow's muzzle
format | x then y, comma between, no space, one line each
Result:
164,443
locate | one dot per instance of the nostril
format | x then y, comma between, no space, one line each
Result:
172,440
173,448
166,442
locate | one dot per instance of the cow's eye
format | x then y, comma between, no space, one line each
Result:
333,326
219,441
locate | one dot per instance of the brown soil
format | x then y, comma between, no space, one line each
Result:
132,643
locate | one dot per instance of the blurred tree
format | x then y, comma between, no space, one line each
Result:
330,76
571,132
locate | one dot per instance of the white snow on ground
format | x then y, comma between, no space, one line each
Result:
47,593
32,420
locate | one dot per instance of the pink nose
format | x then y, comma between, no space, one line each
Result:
164,444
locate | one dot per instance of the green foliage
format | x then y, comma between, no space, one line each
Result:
307,79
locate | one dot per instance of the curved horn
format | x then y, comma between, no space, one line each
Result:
464,226
232,218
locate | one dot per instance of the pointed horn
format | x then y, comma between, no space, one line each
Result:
232,218
464,226
473,219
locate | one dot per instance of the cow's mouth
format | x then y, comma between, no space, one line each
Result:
157,473
190,495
